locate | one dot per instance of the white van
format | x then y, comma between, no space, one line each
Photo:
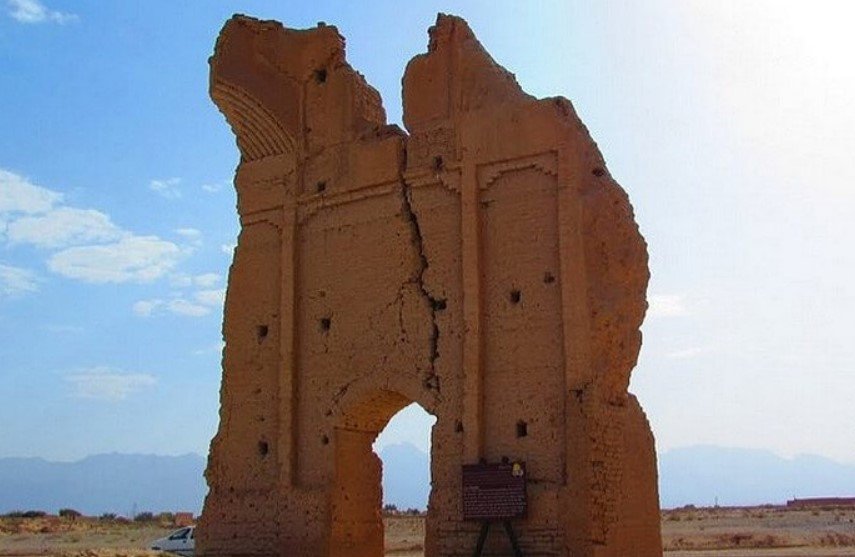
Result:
180,541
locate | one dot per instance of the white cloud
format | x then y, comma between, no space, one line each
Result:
215,187
180,280
666,305
228,249
191,234
19,195
167,188
192,239
95,249
86,245
200,306
215,348
206,280
180,306
213,298
145,308
104,383
63,226
131,259
33,11
15,281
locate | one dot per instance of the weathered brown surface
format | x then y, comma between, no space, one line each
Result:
484,265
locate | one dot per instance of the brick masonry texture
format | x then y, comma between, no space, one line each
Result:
483,264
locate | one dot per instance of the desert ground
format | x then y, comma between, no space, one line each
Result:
767,531
772,531
78,537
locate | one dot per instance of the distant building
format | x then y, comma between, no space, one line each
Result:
822,502
184,519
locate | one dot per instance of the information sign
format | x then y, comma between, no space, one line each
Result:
494,491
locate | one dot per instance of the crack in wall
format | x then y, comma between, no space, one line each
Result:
343,391
397,303
431,380
400,300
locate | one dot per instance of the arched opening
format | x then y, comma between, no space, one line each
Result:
404,449
357,526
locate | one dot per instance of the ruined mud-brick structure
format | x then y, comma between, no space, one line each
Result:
483,264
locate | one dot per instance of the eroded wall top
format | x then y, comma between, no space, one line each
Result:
285,90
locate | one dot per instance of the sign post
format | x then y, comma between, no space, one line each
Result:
493,493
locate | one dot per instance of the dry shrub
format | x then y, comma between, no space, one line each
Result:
717,542
836,539
739,540
70,514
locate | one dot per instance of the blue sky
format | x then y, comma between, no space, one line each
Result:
730,124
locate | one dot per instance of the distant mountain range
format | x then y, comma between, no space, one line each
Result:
705,475
124,484
406,476
118,483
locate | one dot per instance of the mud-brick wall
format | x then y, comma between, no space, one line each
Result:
244,465
484,265
523,353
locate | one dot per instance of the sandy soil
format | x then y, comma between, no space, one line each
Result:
78,538
786,531
689,532
405,535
